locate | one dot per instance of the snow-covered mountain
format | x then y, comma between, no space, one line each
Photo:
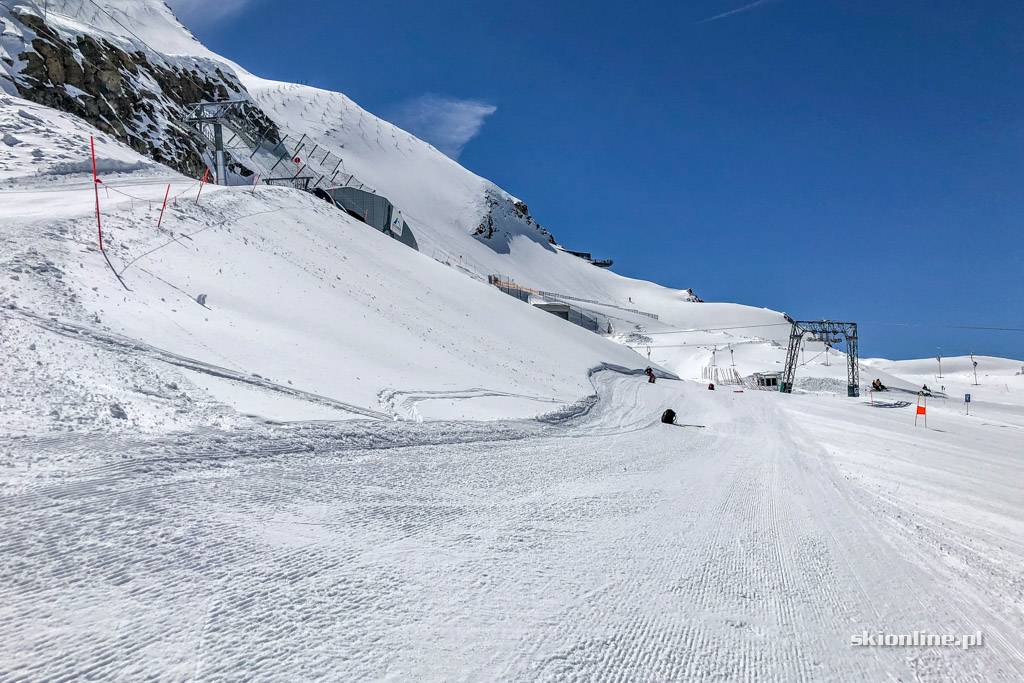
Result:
124,71
255,437
128,67
285,297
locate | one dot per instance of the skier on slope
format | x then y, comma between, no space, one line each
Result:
650,374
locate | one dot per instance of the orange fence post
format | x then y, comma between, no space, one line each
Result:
201,183
166,195
96,185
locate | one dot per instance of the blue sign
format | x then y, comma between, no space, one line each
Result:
967,398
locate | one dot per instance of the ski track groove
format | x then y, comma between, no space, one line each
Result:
118,344
601,546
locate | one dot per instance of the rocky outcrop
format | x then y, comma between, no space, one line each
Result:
507,217
131,96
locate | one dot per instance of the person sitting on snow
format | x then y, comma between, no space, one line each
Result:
669,417
711,386
650,375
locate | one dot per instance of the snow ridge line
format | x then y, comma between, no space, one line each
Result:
622,370
403,404
112,341
573,411
584,407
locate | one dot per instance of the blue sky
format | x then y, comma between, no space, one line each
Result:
856,159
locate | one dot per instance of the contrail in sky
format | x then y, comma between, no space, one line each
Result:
723,15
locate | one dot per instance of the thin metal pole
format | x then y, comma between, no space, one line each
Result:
166,195
201,183
96,186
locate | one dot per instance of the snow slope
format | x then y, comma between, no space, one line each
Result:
603,547
138,25
445,211
264,261
445,204
297,292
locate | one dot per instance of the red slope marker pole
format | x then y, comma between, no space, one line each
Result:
168,194
96,185
256,182
201,183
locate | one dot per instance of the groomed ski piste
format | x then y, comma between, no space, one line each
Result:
354,460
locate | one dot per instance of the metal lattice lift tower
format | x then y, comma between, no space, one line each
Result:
830,333
210,119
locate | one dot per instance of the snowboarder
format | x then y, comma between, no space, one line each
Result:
925,391
711,386
650,375
669,417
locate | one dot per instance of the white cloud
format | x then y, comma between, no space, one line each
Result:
196,12
445,122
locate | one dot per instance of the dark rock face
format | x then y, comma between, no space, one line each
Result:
505,209
486,227
127,96
507,218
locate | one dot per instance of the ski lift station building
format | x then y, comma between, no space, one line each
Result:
372,209
566,312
